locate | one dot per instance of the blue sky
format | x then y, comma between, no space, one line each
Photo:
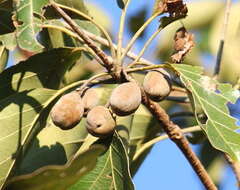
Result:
165,167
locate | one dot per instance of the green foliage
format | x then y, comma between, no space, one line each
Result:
37,155
210,98
111,172
28,23
3,57
59,177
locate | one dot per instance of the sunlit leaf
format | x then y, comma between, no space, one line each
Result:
3,57
28,19
20,115
210,98
9,40
111,171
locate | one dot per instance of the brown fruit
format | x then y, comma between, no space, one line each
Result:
125,99
100,122
157,85
90,99
68,111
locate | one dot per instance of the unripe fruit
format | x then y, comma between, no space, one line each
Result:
68,111
90,99
125,99
100,122
157,85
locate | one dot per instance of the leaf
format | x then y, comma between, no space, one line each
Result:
111,171
136,21
143,128
28,19
41,70
19,117
52,146
9,40
122,3
210,98
3,57
59,177
86,25
79,5
6,24
183,43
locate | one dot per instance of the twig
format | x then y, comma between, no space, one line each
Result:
222,38
85,38
146,45
175,134
182,114
120,33
150,143
105,33
137,34
179,99
87,82
102,41
235,167
179,89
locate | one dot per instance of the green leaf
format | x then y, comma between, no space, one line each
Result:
79,5
52,146
9,40
3,57
143,128
20,116
210,98
41,70
86,25
28,16
111,171
59,177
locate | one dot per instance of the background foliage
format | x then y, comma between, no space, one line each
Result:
50,65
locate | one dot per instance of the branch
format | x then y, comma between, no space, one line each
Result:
175,134
150,143
104,32
235,167
104,57
146,45
222,38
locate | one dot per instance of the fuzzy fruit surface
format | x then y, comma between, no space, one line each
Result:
90,99
125,99
157,85
100,122
68,111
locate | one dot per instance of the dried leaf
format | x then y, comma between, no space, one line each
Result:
175,8
183,43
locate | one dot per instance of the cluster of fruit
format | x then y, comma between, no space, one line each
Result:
124,100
